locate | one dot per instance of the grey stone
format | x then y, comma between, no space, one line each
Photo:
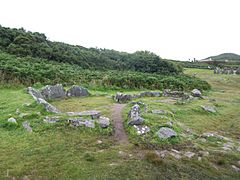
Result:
168,92
166,132
150,94
77,91
196,93
235,168
122,98
189,154
12,120
204,153
48,106
26,126
54,119
156,111
175,155
104,122
93,113
140,103
136,121
211,109
53,92
134,112
82,122
34,93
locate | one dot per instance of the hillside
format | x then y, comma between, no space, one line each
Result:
24,43
225,56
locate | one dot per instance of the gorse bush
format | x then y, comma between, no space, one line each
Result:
29,71
22,44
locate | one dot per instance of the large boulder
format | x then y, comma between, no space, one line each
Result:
196,93
53,92
77,91
166,132
34,93
122,98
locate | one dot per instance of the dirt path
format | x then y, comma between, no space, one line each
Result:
119,132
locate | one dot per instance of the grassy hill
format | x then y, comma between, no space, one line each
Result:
225,56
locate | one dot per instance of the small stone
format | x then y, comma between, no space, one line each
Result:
12,120
196,93
17,111
51,119
99,142
189,154
204,153
199,158
211,109
175,155
156,111
26,125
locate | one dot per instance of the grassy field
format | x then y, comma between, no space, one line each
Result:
57,151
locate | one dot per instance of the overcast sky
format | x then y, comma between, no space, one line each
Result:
174,29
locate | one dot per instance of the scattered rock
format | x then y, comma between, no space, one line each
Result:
93,113
48,106
211,109
34,93
22,115
196,93
26,126
189,154
140,103
165,132
12,120
199,158
141,129
168,92
77,91
99,142
82,122
104,122
53,92
53,119
18,111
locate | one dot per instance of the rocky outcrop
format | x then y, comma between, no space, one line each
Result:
166,132
77,91
53,92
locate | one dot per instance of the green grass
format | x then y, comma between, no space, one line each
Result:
57,151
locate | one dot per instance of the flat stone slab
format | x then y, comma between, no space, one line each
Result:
93,113
82,122
159,111
51,119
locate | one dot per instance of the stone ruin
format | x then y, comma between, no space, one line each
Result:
227,70
74,118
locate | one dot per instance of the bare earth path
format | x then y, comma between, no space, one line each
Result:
119,132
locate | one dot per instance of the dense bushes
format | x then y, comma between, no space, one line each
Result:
28,71
22,44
